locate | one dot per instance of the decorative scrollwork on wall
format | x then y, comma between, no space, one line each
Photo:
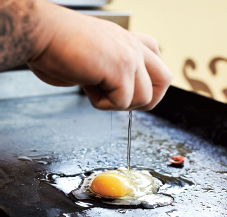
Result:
199,85
196,85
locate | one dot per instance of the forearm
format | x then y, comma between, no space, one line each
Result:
117,69
22,27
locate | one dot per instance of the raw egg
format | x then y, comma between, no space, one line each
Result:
122,187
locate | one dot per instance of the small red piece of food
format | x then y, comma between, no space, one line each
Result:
176,160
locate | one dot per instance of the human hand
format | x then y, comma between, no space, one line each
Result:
117,69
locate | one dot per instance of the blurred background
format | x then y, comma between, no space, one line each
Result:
192,36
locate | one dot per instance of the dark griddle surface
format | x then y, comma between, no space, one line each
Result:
70,136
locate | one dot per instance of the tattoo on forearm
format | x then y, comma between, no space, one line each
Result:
6,25
16,28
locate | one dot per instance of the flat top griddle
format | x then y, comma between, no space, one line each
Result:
64,134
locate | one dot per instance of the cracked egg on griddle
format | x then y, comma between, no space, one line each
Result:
122,187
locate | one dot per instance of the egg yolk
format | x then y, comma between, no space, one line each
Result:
110,184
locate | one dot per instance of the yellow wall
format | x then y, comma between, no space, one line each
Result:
194,30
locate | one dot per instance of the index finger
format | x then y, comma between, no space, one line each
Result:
160,76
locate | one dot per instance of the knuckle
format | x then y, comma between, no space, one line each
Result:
146,99
154,41
154,45
165,78
168,78
149,41
130,53
127,60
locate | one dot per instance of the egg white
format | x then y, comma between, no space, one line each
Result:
144,188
